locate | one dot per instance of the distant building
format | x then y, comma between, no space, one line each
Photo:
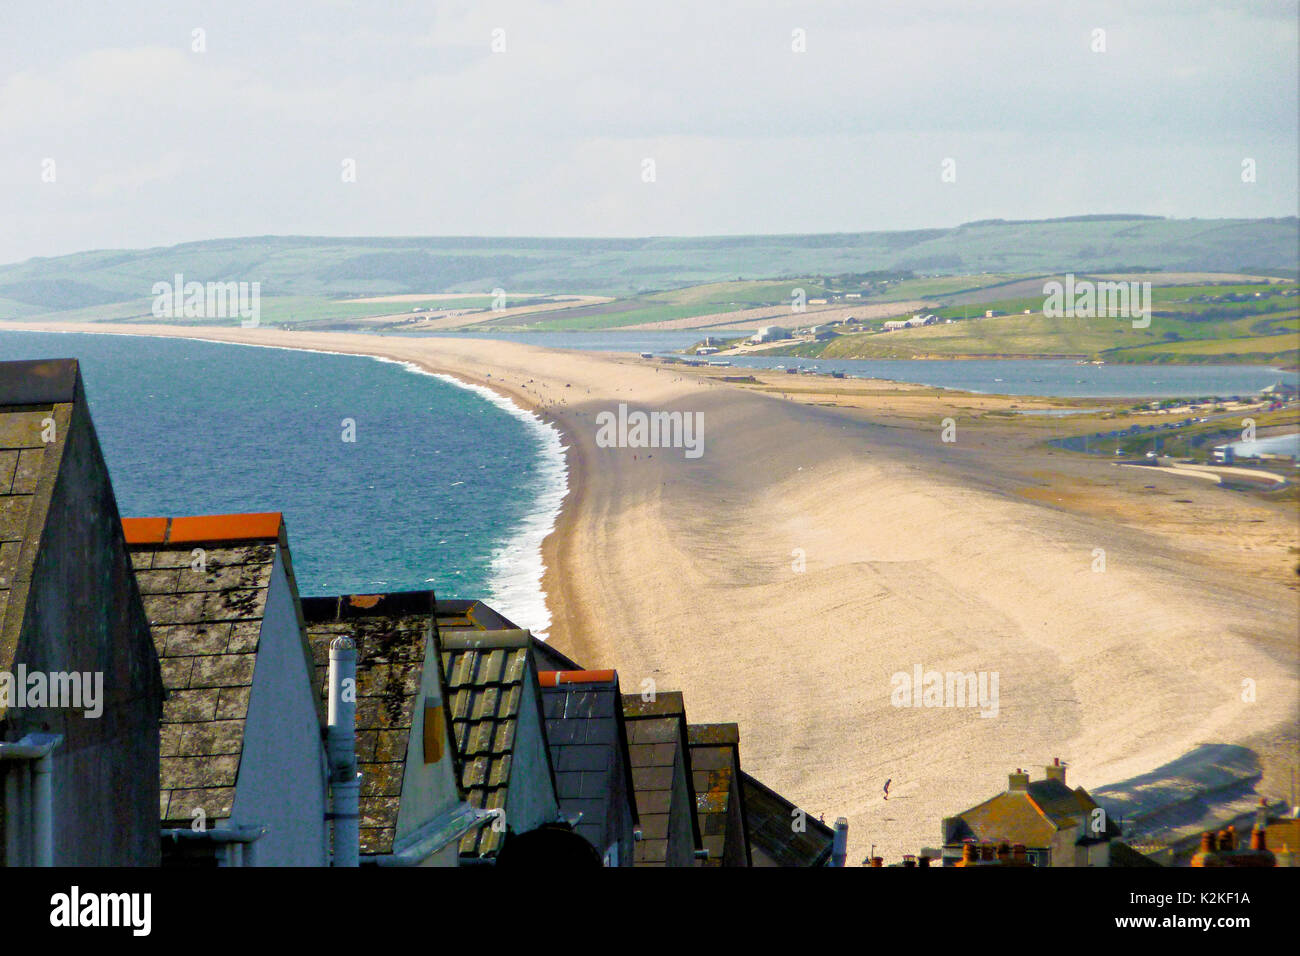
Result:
1279,390
79,749
822,332
769,333
1057,826
706,350
241,748
916,321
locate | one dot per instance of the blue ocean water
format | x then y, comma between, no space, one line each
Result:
445,486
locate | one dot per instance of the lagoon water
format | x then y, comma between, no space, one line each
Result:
1288,445
1060,378
445,487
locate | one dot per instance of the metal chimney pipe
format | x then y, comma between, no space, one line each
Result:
840,848
43,810
341,750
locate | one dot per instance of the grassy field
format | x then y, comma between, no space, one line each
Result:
1263,330
710,298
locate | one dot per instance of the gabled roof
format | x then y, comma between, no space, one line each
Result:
32,396
459,616
719,798
588,744
656,732
771,819
204,582
390,632
1032,816
486,674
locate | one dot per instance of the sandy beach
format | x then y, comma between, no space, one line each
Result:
826,541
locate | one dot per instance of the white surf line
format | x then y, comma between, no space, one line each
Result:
515,586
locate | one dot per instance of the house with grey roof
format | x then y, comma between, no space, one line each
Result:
495,705
719,796
242,779
660,755
412,807
80,689
593,771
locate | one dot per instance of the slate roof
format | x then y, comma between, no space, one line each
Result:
390,633
715,760
656,731
771,818
206,626
486,671
1032,816
589,749
30,393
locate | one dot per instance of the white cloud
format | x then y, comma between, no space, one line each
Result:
158,144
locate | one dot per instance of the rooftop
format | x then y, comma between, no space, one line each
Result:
486,671
35,414
589,748
1028,812
771,831
656,732
715,760
391,633
205,607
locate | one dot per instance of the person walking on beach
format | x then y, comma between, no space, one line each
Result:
887,783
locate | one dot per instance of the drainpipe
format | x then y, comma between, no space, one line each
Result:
840,848
341,749
36,750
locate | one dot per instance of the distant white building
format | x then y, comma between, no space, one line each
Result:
706,350
770,333
914,322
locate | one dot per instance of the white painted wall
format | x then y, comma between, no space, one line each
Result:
282,774
428,790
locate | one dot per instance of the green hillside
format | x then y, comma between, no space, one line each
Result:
92,284
1236,322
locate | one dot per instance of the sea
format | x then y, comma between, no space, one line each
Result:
445,486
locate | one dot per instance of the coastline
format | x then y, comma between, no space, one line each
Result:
680,572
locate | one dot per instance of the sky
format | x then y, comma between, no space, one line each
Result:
123,127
